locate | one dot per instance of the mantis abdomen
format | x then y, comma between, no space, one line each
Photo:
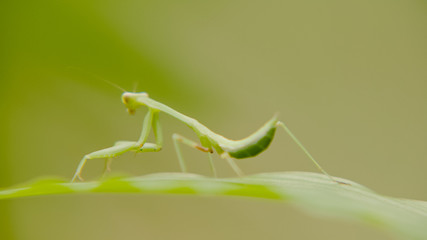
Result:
255,148
255,143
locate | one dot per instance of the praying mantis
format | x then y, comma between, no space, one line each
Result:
209,141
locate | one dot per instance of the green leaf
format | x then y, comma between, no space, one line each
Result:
314,193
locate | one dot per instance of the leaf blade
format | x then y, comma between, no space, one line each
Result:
314,193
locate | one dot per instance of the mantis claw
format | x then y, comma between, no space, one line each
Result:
80,178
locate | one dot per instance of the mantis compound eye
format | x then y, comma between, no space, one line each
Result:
125,98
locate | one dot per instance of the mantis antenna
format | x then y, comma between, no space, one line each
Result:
113,84
98,77
135,86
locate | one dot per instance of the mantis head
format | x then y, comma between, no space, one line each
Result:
133,100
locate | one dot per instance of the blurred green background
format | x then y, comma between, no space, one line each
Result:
348,77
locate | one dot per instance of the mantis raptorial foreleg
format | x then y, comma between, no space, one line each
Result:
180,139
146,127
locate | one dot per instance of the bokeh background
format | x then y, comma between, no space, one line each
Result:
348,77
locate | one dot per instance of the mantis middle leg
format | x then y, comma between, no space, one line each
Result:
125,146
148,147
178,138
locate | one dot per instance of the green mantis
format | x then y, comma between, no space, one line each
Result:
209,141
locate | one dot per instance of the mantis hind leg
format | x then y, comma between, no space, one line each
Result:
180,139
282,124
232,164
